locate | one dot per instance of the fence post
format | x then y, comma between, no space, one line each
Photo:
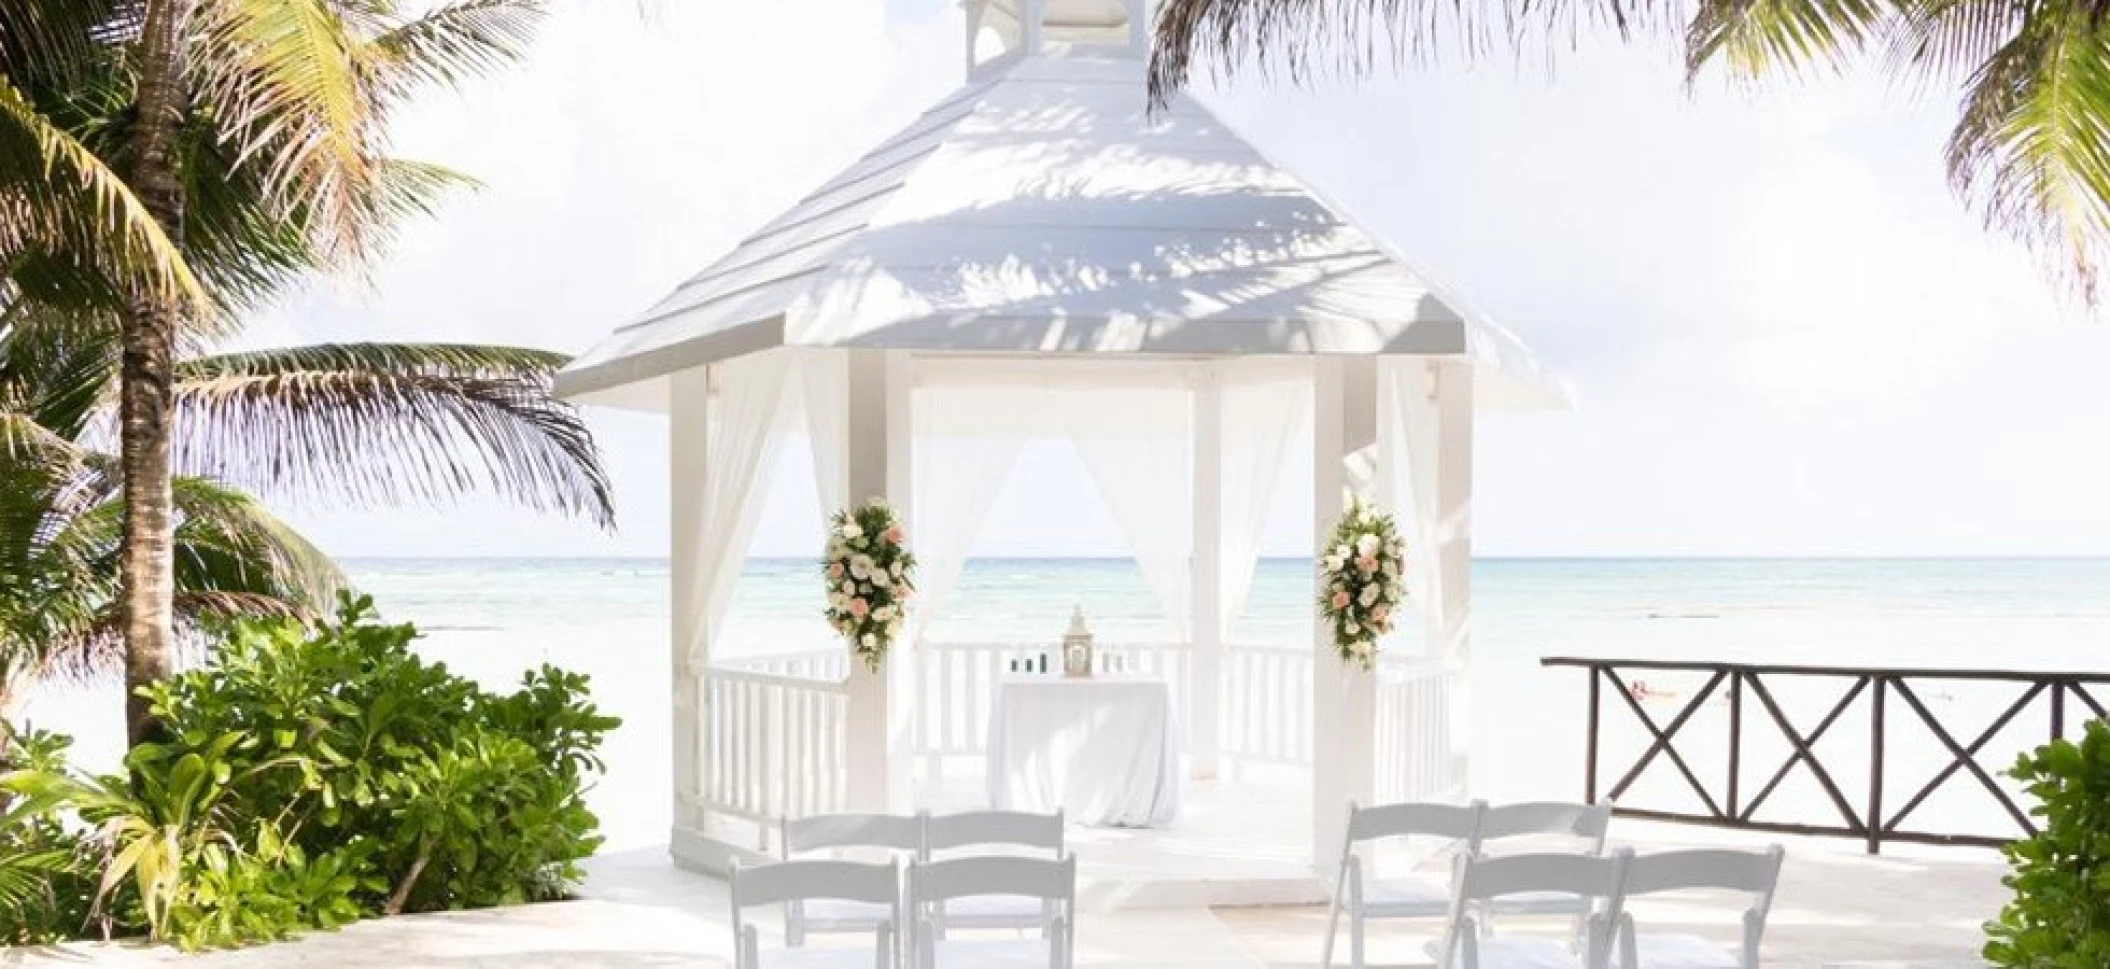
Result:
1736,741
1597,675
1874,821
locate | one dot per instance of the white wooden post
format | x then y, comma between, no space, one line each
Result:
881,710
689,645
1344,696
1437,405
1205,697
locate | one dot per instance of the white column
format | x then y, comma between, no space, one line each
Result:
1437,406
688,449
881,710
1205,692
1344,467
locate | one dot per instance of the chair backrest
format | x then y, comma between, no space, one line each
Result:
815,878
897,832
1481,878
944,832
938,881
1756,872
1456,821
1585,821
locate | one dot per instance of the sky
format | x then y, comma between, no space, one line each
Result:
1786,335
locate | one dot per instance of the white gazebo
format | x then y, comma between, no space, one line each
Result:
1037,255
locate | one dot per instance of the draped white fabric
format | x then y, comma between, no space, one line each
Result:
1137,442
824,379
747,421
1262,413
966,441
1405,429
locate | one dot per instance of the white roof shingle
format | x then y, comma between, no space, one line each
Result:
1041,209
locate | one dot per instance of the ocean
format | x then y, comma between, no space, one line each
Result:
494,618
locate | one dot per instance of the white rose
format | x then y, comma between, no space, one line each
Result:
1350,627
1342,552
879,579
1369,596
1367,545
870,641
850,530
849,588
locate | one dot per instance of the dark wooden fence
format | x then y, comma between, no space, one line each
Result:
1884,700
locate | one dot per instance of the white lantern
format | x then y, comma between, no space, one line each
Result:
1077,646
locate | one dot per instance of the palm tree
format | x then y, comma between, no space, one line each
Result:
252,134
350,423
2030,150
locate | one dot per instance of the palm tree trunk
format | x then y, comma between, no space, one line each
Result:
146,376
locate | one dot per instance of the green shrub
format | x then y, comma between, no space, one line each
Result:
2060,915
47,875
315,776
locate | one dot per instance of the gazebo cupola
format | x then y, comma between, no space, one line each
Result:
1039,254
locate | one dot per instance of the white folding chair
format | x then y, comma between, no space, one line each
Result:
1402,895
895,834
947,833
935,885
1483,882
1544,826
1752,872
812,881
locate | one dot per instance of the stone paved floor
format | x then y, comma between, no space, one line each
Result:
1912,910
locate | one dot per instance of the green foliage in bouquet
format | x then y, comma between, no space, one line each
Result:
1362,581
871,577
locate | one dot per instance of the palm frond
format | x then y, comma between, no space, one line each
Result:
233,558
281,81
1758,36
1946,41
58,197
383,424
2032,150
1308,38
451,43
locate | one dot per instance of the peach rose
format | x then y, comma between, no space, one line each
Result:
895,536
1340,600
835,570
858,607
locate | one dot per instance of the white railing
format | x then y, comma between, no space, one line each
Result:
1266,706
775,745
956,684
1417,754
776,729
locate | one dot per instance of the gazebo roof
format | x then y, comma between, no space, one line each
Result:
1040,210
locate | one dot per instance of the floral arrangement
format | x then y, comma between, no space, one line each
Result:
871,577
1361,581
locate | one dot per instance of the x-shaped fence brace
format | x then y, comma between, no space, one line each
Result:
1868,821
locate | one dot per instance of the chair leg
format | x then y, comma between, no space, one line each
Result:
1333,927
1355,940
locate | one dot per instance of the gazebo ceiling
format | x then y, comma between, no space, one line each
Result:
1039,210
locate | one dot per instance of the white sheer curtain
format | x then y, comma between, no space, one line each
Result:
1262,413
1138,444
747,422
1403,429
824,379
966,441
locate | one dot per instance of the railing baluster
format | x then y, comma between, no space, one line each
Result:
1736,741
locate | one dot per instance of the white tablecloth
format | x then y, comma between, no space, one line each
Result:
1104,750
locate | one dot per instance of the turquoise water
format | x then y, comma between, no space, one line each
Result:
495,618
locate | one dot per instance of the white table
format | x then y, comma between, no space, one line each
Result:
1103,749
